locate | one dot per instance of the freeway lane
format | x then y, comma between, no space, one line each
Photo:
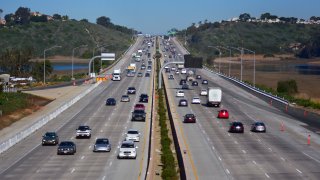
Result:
111,122
274,155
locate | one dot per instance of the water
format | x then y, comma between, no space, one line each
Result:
305,69
66,67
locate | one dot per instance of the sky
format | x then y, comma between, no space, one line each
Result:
159,16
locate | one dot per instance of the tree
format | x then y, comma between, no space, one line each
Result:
1,11
84,20
57,17
37,69
103,21
265,16
16,62
42,18
244,17
9,19
22,15
65,18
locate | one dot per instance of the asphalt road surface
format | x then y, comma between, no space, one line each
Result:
29,160
217,154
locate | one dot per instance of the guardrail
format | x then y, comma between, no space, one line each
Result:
269,95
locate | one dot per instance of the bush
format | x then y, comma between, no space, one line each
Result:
288,87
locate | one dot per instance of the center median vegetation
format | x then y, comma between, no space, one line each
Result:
169,165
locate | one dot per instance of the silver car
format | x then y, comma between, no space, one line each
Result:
102,144
258,127
133,135
125,98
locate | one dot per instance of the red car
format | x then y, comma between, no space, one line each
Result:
189,118
223,114
139,107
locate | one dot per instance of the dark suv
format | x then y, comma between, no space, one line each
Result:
67,147
131,90
50,138
236,127
138,115
144,98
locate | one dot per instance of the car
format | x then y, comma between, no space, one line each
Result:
127,150
189,118
83,131
236,127
144,98
133,135
143,67
67,147
130,74
223,114
196,100
111,102
182,81
147,74
183,71
170,76
194,83
177,72
183,102
185,86
125,98
139,74
149,68
204,81
139,107
198,77
102,145
180,93
203,92
173,68
138,115
167,70
50,138
131,90
258,127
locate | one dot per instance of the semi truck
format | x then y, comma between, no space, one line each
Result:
116,75
214,96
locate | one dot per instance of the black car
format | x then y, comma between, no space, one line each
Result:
138,115
171,76
50,138
147,75
182,81
205,82
198,77
236,127
185,86
67,147
189,118
144,98
194,83
111,102
131,90
183,102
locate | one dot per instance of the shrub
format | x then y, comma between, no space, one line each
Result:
289,87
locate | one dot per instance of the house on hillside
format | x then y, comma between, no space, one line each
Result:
2,22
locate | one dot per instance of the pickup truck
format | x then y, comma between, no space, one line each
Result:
138,115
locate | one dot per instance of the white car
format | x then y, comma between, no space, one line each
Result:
196,100
183,71
173,69
204,92
177,72
127,150
180,93
133,135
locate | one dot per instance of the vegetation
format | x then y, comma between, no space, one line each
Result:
10,102
167,157
288,87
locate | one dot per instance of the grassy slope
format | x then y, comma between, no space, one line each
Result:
261,37
68,34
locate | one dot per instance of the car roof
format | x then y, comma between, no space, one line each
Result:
127,142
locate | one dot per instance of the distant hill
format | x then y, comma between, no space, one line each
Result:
68,34
264,38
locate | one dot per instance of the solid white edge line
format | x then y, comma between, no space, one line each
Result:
299,171
267,175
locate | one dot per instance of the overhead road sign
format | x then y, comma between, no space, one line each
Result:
108,56
192,62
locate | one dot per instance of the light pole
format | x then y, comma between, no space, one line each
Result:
44,61
254,65
216,47
72,78
241,51
229,57
100,52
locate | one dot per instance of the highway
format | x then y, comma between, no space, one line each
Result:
214,153
29,160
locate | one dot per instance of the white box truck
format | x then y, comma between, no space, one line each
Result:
116,75
214,96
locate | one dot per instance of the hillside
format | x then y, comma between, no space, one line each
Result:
68,34
264,38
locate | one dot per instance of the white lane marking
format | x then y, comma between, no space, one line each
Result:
90,147
229,134
254,162
244,151
219,158
282,159
299,171
259,140
270,149
38,171
267,175
73,170
311,157
212,147
228,171
235,142
208,139
110,163
82,157
104,177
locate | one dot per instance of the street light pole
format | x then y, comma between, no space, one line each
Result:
241,51
216,47
254,65
72,78
44,61
229,57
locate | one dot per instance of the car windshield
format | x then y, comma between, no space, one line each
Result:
259,124
189,115
83,128
138,111
125,96
133,132
127,145
111,99
196,98
102,141
50,134
66,143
